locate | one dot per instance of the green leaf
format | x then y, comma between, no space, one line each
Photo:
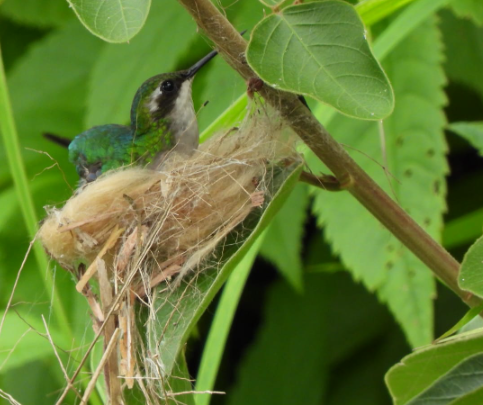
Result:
473,398
233,115
219,84
57,67
464,49
121,69
40,13
404,23
178,311
469,9
222,321
471,131
464,229
438,369
465,320
288,362
41,378
320,49
273,3
471,269
372,11
415,151
180,381
112,20
398,30
282,244
21,344
463,379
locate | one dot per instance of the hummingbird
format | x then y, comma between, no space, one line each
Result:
162,118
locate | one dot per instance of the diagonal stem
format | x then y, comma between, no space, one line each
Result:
232,48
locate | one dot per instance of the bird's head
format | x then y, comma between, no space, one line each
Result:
164,96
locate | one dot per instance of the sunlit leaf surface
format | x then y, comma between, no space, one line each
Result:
320,49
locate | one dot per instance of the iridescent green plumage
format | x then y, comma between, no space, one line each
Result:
162,119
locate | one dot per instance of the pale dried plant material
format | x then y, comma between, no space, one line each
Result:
143,227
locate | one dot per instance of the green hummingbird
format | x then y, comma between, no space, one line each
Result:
163,119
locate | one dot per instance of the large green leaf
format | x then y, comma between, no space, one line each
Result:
415,152
41,13
320,49
282,244
469,9
470,278
112,20
121,69
178,311
471,131
439,374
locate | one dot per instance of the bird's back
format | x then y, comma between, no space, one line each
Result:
100,149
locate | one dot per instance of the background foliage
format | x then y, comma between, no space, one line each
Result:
333,300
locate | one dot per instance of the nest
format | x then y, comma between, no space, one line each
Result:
135,228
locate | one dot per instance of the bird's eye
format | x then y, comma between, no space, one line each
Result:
168,86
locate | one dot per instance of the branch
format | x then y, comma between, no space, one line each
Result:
349,175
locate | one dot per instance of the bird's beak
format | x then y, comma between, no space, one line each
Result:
198,65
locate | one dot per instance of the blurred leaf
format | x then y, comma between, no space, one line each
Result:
320,49
288,363
355,318
222,322
178,311
415,150
359,380
121,69
290,360
469,278
471,131
40,378
464,50
8,199
372,11
438,368
16,39
219,84
282,244
26,344
48,92
464,229
404,23
39,13
112,20
180,381
463,322
233,115
469,9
